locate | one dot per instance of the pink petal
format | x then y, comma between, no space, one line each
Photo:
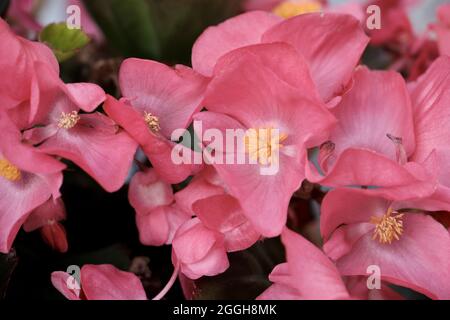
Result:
19,198
106,282
50,211
59,280
173,95
419,260
377,105
236,32
313,274
430,98
193,241
105,155
158,226
359,167
224,214
147,192
157,148
203,185
331,43
348,206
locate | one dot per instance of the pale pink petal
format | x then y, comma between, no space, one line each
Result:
236,32
60,281
104,154
147,192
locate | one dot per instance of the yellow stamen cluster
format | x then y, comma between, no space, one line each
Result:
261,144
9,171
388,227
68,120
291,8
152,122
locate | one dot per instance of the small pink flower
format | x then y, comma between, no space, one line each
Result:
252,89
331,43
157,215
99,282
92,141
19,81
361,229
198,250
157,101
28,178
374,139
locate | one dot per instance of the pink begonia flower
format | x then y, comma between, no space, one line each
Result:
205,184
46,218
157,215
256,92
374,139
361,229
430,98
157,101
92,141
224,214
99,282
28,178
19,80
199,251
308,274
332,44
206,197
442,29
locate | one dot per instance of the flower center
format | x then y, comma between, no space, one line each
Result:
68,120
291,8
152,122
387,227
261,144
9,171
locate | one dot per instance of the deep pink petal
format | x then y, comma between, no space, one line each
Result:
51,211
147,192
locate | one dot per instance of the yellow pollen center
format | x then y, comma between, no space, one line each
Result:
291,8
387,227
9,171
68,120
261,144
152,122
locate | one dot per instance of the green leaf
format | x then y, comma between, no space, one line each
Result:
64,42
128,25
